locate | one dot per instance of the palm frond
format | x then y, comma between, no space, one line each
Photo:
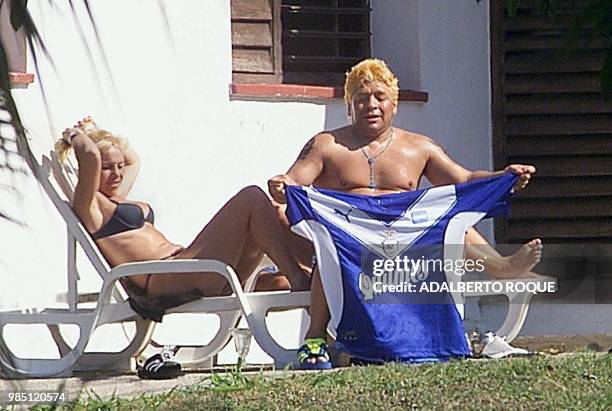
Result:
11,128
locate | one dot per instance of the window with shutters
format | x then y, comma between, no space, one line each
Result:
298,41
256,41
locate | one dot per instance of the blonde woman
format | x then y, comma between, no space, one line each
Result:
239,234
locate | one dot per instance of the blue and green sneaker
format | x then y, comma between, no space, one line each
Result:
314,348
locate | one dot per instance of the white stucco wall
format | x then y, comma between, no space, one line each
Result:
198,147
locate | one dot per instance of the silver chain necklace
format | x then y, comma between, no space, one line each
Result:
372,159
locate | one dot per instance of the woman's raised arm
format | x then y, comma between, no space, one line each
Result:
130,172
90,164
132,160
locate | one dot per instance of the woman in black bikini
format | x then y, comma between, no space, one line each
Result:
239,234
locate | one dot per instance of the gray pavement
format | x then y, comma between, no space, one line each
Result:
104,386
107,385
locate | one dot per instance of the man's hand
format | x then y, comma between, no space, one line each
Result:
276,187
523,171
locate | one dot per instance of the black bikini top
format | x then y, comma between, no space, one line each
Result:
127,216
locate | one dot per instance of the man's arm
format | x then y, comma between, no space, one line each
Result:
304,171
441,169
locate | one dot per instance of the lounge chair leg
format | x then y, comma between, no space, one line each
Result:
205,356
282,356
122,361
17,367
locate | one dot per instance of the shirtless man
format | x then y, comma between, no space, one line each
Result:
372,157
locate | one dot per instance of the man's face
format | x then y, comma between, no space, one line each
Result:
372,109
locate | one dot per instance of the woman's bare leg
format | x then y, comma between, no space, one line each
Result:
272,282
302,249
251,258
248,215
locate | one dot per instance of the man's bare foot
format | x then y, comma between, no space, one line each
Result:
519,264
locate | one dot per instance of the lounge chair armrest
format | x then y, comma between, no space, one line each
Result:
168,266
175,267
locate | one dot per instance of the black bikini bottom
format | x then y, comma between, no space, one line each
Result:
154,307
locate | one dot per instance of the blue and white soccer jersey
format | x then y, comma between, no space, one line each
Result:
345,227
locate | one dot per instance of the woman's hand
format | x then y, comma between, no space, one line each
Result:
87,125
70,134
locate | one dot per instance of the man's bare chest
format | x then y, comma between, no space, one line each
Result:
397,170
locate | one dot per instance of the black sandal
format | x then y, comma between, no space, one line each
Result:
161,366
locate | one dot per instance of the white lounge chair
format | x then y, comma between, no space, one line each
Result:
111,306
518,306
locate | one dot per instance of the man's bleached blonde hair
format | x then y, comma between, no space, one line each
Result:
370,70
104,140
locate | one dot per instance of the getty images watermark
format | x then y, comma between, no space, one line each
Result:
430,274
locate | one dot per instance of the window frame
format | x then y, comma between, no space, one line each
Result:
336,54
270,86
258,34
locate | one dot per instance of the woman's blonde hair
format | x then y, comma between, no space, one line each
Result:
370,70
104,140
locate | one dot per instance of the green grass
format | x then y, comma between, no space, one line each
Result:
577,381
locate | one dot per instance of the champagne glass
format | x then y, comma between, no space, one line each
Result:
242,343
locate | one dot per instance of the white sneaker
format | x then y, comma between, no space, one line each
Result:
497,347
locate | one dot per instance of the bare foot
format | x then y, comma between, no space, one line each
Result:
519,264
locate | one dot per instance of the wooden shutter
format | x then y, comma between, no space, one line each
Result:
256,41
322,39
548,111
